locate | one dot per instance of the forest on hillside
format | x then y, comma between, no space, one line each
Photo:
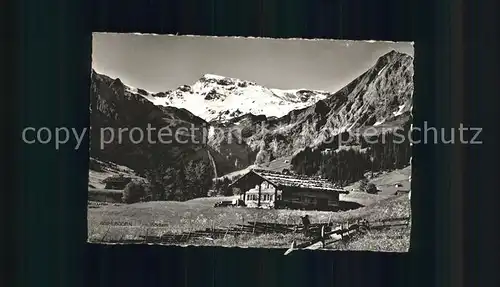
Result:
383,152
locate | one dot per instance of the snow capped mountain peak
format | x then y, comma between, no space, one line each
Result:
220,98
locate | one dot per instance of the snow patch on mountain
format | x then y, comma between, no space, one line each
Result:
131,89
400,111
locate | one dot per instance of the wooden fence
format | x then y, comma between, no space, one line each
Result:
324,233
347,230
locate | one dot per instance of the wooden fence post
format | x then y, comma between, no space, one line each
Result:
106,233
342,230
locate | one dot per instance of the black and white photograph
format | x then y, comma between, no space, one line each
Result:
250,142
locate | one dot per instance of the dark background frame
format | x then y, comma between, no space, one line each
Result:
51,47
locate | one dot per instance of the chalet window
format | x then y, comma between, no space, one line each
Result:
307,199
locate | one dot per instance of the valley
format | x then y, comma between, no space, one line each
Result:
379,98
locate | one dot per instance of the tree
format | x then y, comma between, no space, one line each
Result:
221,187
307,161
363,184
226,191
344,166
198,179
371,188
134,191
173,183
217,186
155,188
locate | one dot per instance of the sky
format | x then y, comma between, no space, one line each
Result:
158,63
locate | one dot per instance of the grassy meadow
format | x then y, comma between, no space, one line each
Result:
109,222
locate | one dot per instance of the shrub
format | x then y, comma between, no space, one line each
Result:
363,184
225,187
212,193
236,191
371,188
134,191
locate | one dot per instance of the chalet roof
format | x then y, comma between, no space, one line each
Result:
279,179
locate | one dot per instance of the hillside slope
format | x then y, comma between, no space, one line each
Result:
381,97
114,106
